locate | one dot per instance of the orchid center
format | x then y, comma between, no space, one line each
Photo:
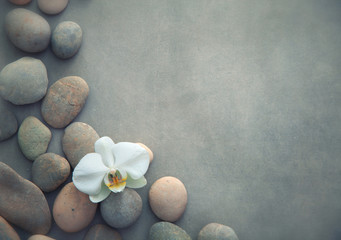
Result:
116,181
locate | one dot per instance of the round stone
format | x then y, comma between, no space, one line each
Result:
8,124
40,237
151,155
20,2
33,137
78,140
49,171
100,232
6,231
168,198
23,81
27,30
216,231
72,209
66,39
52,6
121,210
167,231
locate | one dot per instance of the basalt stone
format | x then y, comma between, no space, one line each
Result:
40,237
66,39
100,231
49,171
22,202
8,124
64,100
6,231
121,210
27,30
52,6
20,2
216,231
23,81
167,231
33,137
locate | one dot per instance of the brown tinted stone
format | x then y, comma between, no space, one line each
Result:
100,231
40,237
151,155
20,2
52,6
6,231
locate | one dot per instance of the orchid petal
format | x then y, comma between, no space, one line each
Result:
103,194
89,173
132,158
103,146
136,183
116,180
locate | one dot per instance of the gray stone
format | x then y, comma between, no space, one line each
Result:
52,6
100,231
78,140
121,210
8,124
167,231
66,39
33,137
23,81
27,30
49,171
20,2
22,202
216,231
6,231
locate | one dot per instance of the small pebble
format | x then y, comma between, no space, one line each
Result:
20,2
167,231
216,231
52,6
49,171
78,140
40,237
8,124
27,30
6,231
121,210
168,198
64,100
151,155
33,137
72,209
66,39
100,232
23,81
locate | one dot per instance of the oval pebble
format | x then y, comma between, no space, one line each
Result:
33,137
6,231
100,232
64,100
27,30
72,209
151,155
121,210
216,231
168,198
23,81
40,237
8,124
52,6
78,140
49,171
20,2
167,231
66,39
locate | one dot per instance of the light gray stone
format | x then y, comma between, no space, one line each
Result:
167,231
8,124
52,6
216,231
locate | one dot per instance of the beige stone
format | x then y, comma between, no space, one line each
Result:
151,155
52,6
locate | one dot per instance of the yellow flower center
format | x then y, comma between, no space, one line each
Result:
116,180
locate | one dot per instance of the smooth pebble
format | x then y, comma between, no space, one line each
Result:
40,237
20,2
8,124
167,231
7,232
216,231
100,232
52,6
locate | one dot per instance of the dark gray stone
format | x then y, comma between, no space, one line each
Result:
167,231
8,124
121,210
216,231
27,30
100,231
23,81
66,39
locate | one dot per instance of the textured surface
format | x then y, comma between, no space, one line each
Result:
238,99
167,231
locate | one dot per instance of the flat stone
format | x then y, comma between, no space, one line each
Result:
49,171
72,209
8,124
167,231
40,237
52,6
66,39
121,210
216,231
100,231
78,140
23,81
27,30
33,137
20,2
168,198
64,100
22,202
6,231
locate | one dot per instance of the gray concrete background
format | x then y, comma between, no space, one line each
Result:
240,100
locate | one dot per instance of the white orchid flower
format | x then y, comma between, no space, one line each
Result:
111,168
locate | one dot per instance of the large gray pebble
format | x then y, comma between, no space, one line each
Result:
122,209
23,81
8,124
66,39
27,30
216,231
167,231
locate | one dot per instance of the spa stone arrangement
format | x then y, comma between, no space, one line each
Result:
104,173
